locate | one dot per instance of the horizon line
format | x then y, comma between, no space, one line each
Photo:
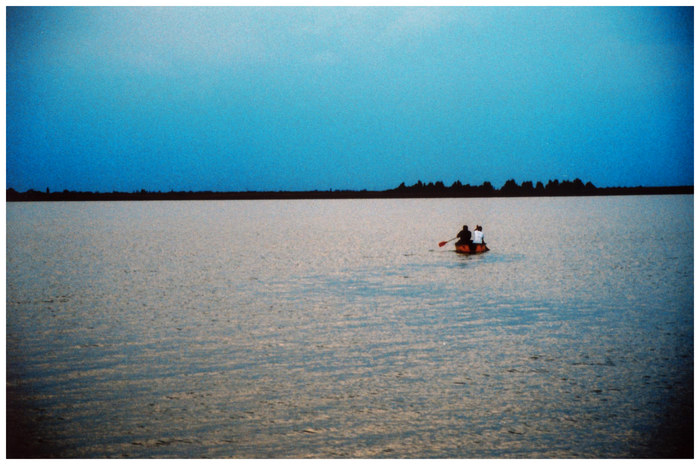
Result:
418,185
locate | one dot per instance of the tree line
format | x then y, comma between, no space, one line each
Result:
510,188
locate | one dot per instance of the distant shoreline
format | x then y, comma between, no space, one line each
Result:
428,191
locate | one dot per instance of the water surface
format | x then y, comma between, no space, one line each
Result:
338,328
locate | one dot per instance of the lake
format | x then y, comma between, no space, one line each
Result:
339,328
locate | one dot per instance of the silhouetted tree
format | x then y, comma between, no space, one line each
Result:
510,188
485,190
552,187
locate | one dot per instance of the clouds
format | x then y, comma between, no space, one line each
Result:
413,24
298,98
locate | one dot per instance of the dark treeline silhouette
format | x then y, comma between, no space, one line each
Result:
528,189
418,190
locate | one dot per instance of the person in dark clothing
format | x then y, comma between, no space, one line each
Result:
465,236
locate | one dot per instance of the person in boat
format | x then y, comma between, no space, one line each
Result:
478,235
465,236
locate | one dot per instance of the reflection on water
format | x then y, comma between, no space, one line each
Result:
340,329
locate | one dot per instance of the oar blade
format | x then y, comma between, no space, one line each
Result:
440,244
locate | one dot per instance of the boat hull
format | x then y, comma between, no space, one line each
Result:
471,249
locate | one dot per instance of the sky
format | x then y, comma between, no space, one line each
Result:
317,98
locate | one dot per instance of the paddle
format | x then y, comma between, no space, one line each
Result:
440,244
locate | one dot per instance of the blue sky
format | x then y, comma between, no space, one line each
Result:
290,98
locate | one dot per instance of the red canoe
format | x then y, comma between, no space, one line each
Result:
473,249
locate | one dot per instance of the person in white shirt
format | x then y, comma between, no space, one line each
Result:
478,235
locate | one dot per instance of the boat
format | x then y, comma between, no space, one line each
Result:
471,249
